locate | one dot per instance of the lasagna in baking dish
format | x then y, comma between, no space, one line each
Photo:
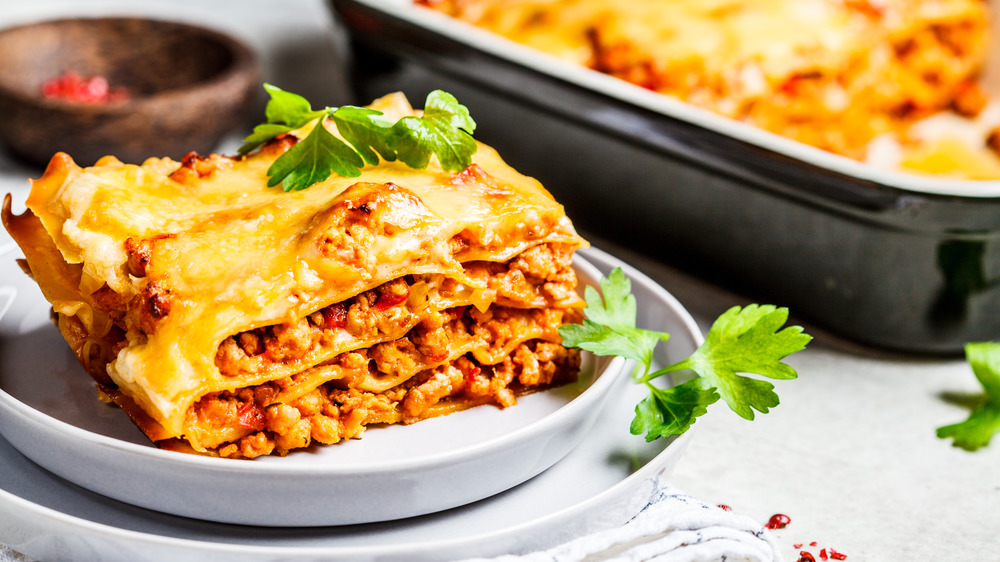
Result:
230,318
835,74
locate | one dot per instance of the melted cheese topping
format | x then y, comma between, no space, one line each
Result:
228,254
830,73
785,36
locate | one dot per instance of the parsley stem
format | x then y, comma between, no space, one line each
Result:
679,366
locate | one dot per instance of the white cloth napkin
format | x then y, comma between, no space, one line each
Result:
8,555
669,526
672,527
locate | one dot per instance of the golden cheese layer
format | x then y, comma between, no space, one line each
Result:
180,256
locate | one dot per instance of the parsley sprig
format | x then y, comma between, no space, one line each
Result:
742,340
444,130
984,421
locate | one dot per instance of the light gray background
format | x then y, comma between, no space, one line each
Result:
850,455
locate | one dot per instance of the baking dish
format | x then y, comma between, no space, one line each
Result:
888,259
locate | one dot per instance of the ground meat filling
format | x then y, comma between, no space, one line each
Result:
329,414
540,276
378,311
428,362
456,359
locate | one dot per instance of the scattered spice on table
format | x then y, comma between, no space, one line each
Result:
778,521
825,554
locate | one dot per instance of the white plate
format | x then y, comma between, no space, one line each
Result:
49,411
597,485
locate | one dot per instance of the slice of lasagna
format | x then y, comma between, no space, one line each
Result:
830,73
235,319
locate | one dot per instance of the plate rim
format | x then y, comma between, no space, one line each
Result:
653,467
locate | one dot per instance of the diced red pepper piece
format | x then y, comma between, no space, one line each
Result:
250,416
335,315
388,300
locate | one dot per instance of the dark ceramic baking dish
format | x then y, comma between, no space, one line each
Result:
888,259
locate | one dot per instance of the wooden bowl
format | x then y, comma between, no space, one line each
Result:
188,86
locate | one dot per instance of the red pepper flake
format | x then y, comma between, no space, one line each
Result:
822,555
837,555
805,556
778,521
797,546
814,543
71,86
725,507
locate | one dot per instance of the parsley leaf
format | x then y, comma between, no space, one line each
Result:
618,309
285,112
747,340
671,411
366,131
742,340
312,160
288,108
609,326
444,130
984,421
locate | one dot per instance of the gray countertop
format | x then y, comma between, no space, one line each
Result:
850,455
